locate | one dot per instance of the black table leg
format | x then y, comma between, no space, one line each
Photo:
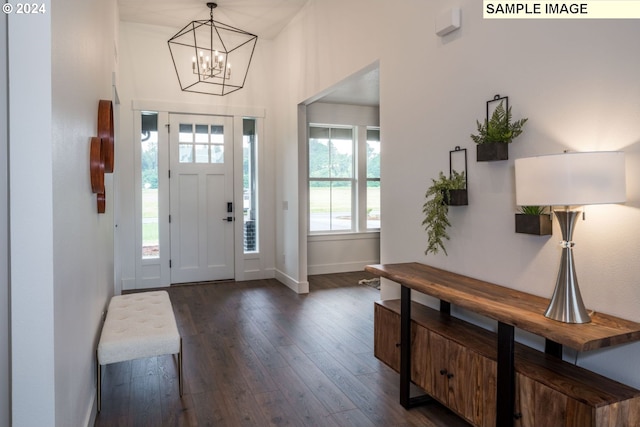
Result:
553,348
405,346
445,307
405,354
506,381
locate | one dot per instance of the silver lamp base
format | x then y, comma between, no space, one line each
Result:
566,303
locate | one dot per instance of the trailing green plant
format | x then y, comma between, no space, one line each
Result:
532,210
499,127
436,209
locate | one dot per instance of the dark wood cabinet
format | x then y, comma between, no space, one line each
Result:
550,391
455,363
463,380
529,387
386,337
459,375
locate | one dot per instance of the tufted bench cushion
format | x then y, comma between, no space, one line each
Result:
138,325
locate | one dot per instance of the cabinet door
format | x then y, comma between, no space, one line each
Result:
386,337
438,354
462,374
489,399
386,346
539,405
624,413
525,402
421,374
472,385
463,380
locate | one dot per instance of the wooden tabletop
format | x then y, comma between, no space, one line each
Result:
520,309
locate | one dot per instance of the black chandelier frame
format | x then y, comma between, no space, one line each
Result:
219,83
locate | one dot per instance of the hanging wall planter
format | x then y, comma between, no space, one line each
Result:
443,192
457,194
497,131
457,197
491,151
533,220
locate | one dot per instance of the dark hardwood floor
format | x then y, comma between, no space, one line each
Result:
257,354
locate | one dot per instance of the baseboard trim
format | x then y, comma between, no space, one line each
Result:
93,411
291,283
128,284
268,273
345,267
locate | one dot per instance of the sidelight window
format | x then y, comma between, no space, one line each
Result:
149,168
249,184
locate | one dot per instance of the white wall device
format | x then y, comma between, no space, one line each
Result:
448,21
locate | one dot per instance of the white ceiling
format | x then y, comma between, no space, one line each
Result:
265,18
361,89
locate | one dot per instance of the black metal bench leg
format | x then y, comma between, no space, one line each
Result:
180,380
99,382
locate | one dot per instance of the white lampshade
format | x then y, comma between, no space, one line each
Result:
571,179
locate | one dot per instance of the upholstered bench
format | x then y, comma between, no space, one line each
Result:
137,326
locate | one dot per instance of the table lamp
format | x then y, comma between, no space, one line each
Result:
568,180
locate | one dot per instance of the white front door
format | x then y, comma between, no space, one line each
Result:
201,196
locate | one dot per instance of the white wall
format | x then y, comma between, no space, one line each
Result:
31,208
84,40
5,384
61,248
577,83
339,253
327,42
574,81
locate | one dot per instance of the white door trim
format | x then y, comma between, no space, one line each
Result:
181,108
259,265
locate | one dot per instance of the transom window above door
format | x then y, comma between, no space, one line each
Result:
201,143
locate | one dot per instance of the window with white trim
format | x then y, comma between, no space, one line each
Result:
344,179
373,178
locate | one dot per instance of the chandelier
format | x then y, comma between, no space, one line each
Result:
204,51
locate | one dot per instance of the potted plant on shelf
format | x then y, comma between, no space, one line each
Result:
533,220
443,192
495,133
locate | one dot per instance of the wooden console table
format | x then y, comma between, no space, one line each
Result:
511,309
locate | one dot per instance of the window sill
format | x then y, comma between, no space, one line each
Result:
323,237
